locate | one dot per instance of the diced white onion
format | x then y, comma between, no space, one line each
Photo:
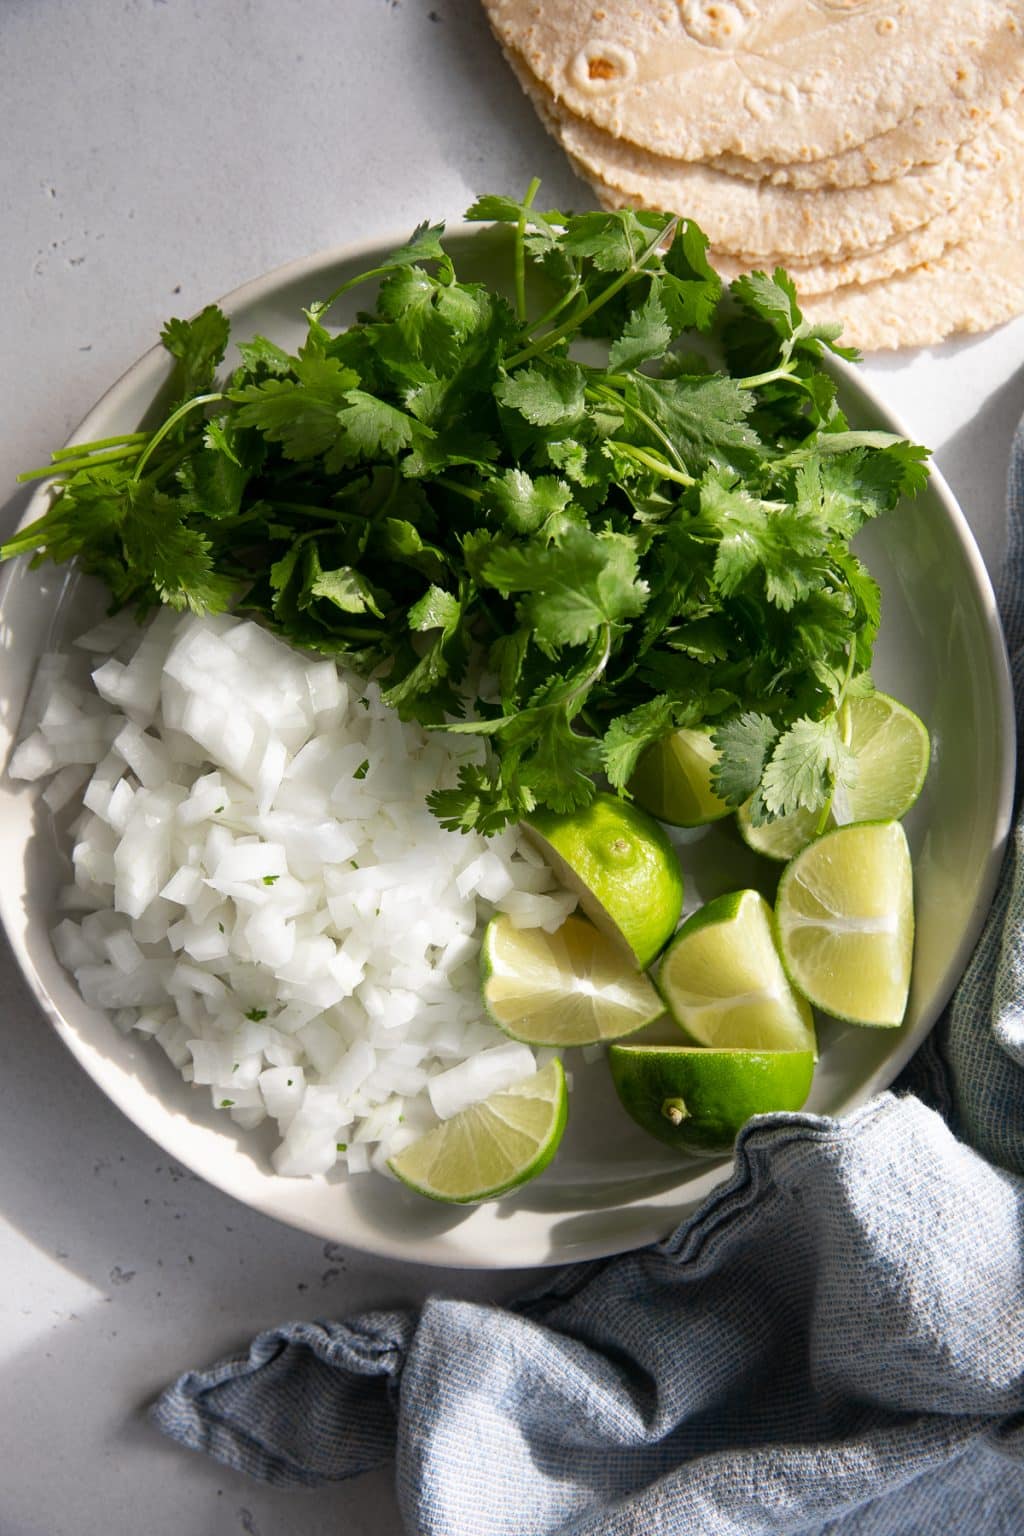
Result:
260,887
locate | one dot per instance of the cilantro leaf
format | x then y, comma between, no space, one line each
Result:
584,581
179,558
629,736
436,609
804,766
773,300
613,241
199,346
548,394
424,244
371,428
646,334
262,356
490,209
704,418
743,744
301,412
421,682
691,289
523,503
485,800
783,545
345,588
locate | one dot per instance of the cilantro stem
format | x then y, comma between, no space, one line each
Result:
846,730
169,426
585,684
556,309
520,256
460,490
826,812
598,302
846,723
650,461
353,282
360,632
328,514
76,450
756,380
72,466
603,392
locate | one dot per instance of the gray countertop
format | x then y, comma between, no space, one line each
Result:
154,154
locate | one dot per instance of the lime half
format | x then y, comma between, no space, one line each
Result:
696,1100
673,779
492,1147
566,988
891,750
845,922
724,982
621,866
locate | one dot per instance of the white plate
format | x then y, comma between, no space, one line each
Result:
610,1188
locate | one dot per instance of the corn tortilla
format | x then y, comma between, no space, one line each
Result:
780,80
927,137
973,287
741,216
989,201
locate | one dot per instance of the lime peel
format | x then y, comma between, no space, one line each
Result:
622,867
696,1100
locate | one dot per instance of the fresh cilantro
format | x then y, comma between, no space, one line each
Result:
574,586
256,1015
547,395
630,735
646,531
645,335
804,767
198,346
744,745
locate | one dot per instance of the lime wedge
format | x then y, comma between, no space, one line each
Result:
566,988
696,1100
891,749
621,866
845,922
673,779
492,1147
782,838
724,983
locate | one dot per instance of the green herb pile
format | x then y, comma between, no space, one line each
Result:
609,500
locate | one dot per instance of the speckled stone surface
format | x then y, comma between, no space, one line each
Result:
154,154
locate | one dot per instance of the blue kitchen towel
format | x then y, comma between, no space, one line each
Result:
834,1342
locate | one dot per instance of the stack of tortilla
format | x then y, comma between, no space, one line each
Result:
875,148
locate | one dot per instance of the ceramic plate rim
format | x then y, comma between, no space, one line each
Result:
657,1217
